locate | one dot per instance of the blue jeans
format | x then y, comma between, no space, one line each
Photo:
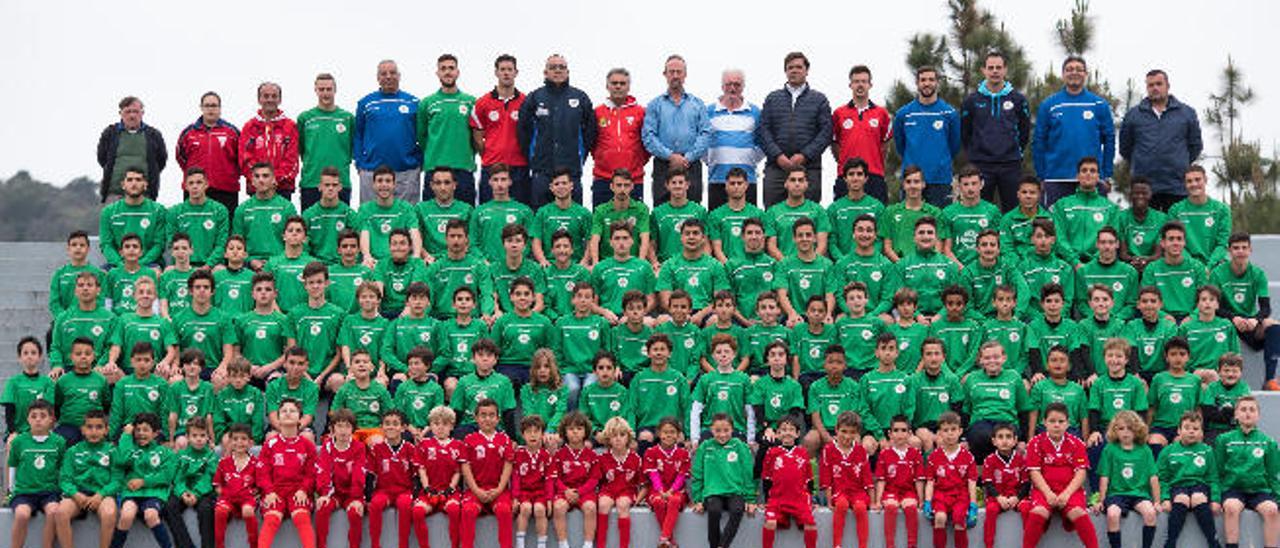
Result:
575,382
519,184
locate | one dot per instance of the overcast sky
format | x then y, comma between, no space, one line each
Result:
67,64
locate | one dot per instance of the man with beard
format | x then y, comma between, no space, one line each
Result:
926,133
444,130
493,130
995,127
134,214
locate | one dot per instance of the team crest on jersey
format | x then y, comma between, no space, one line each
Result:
552,399
365,339
374,406
944,397
153,395
1208,221
511,218
874,122
622,282
616,405
1198,461
688,343
901,346
462,347
833,408
128,291
418,403
731,457
1257,452
425,336
1175,397
767,276
1117,403
604,122
736,230
722,395
468,279
104,460
155,459
848,123
1149,349
876,276
593,334
233,293
573,103
815,352
1055,278
261,334
39,462
804,283
866,334
523,338
398,286
1088,114
462,109
144,223
775,401
942,274
275,217
208,224
1186,282
191,409
97,330
937,124
315,329
1220,337
93,395
1004,393
693,280
900,389
671,390
404,109
248,408
154,334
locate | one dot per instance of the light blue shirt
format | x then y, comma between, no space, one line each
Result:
732,141
670,128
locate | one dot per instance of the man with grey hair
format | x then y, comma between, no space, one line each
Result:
731,143
127,143
619,144
271,137
386,135
794,131
676,132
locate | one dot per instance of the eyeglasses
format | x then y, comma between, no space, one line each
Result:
558,67
210,106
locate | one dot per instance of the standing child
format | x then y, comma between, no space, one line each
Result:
1113,392
1172,393
530,485
341,471
845,476
294,384
885,389
189,398
764,332
723,391
835,394
908,328
809,339
235,484
684,334
621,481
1188,473
261,332
145,468
367,399
786,475
545,396
88,486
992,396
1127,477
604,399
239,403
392,465
721,482
418,395
484,384
1249,462
347,270
936,392
1218,401
314,324
562,274
439,471
629,337
35,456
193,485
859,330
1057,388
1056,462
581,336
286,478
723,321
576,477
174,294
235,282
363,330
20,391
454,338
899,483
486,469
1149,331
1004,481
521,331
774,397
951,487
141,392
667,466
1208,335
142,324
411,329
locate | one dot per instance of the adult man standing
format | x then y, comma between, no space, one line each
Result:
732,142
860,130
794,130
134,213
926,134
1072,124
386,134
271,137
558,127
444,130
213,144
128,143
1160,138
325,133
995,125
618,144
493,129
676,132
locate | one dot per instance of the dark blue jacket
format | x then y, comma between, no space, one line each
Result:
801,129
995,127
557,128
1161,147
157,157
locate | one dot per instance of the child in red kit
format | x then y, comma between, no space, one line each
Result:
786,473
341,478
667,465
952,484
576,477
439,471
1004,480
393,463
1057,464
530,486
234,481
621,482
286,477
486,468
845,474
899,482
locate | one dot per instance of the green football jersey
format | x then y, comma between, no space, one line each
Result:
577,340
810,347
1240,292
119,288
997,398
981,281
233,290
473,388
701,278
1208,341
1248,462
721,392
187,403
433,219
487,222
447,274
1208,227
551,218
396,278
876,271
36,463
1121,277
1140,235
132,395
1148,340
1170,396
361,333
1177,283
210,332
1012,336
750,275
243,406
1182,465
88,467
965,222
961,340
655,395
782,216
1128,471
444,130
290,291
62,287
404,334
724,225
1078,217
1221,397
629,346
76,394
559,283
325,140
376,221
504,275
133,329
910,338
1094,333
1109,395
194,471
1068,393
858,337
601,403
153,464
684,347
21,390
546,402
778,396
518,337
887,395
343,282
829,401
207,225
935,395
722,469
453,346
843,212
757,337
173,289
261,222
316,331
417,399
928,272
146,219
324,224
803,279
612,278
307,393
262,336
665,223
603,216
367,404
898,224
1041,270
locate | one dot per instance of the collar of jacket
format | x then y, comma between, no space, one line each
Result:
199,123
1172,104
516,95
142,126
1007,89
554,86
870,105
280,115
804,88
630,102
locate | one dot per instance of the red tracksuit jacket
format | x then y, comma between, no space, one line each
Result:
274,141
618,141
286,466
393,467
235,485
214,149
341,472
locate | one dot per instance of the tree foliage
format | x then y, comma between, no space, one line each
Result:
35,211
1249,177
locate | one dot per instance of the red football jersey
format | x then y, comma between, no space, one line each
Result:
951,473
1007,476
575,469
620,476
235,483
286,466
669,465
393,467
497,120
487,455
789,470
441,460
862,134
900,471
341,470
1057,462
843,471
531,471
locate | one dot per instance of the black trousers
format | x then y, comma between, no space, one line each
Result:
716,506
173,512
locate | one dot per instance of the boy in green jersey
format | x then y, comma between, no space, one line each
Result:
1115,391
1041,267
62,285
1054,329
992,396
694,271
1015,227
397,272
382,215
260,219
1173,392
1006,329
668,218
989,270
781,216
722,321
684,334
657,391
145,325
328,218
562,214
418,394
859,331
804,273
203,327
86,477
1098,327
1218,401
314,325
522,331
545,395
141,392
579,337
845,210
1107,269
865,263
189,398
1176,274
324,143
725,224
457,268
366,398
239,403
235,281
774,397
77,392
454,338
1148,331
145,472
1249,462
1188,473
886,389
935,390
295,385
365,329
832,395
620,211
261,332
1139,226
622,272
898,226
561,275
491,217
1080,215
721,481
412,329
174,295
347,273
1057,388
434,215
960,332
135,214
35,457
1208,221
968,216
485,383
908,328
193,485
20,391
1209,335
120,280
515,263
1247,303
1128,480
288,265
763,332
629,338
752,273
604,399
810,340
205,220
723,391
927,270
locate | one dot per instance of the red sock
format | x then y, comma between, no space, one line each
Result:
376,507
270,524
502,512
251,529
674,507
962,538
810,538
1084,530
221,514
404,514
939,537
861,525
912,515
323,513
355,527
766,537
1034,530
624,532
890,527
454,512
470,511
839,507
602,529
989,523
420,526
306,533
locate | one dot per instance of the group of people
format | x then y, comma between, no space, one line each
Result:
500,348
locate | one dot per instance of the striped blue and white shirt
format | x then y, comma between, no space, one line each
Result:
733,141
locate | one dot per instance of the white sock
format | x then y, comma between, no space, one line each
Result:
563,544
588,544
520,539
542,541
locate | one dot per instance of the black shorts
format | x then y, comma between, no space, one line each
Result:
206,374
145,503
37,501
1189,491
1168,433
1127,503
1250,500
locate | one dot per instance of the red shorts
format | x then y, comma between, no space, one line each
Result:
783,510
1076,500
852,497
616,494
899,495
237,503
439,502
286,505
583,497
953,503
504,497
532,497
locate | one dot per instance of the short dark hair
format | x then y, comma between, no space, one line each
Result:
859,69
505,58
792,57
1074,59
446,57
